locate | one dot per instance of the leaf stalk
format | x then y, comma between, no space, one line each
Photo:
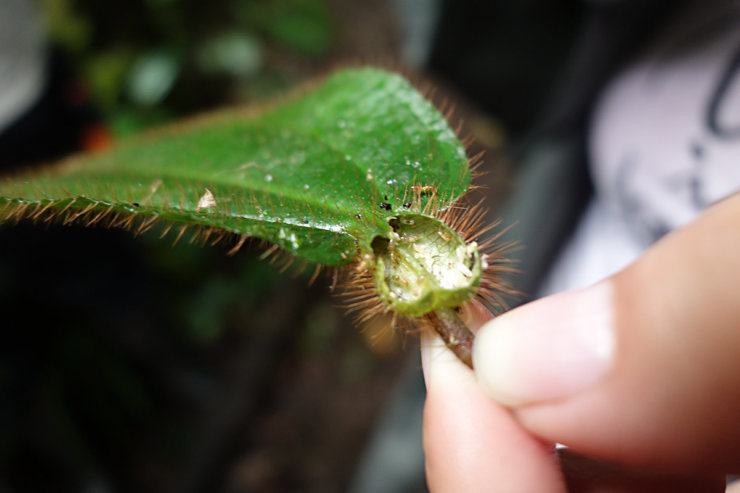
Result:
455,334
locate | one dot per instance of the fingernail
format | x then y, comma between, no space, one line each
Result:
552,348
441,366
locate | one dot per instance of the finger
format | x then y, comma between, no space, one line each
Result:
643,368
473,444
588,475
733,488
474,314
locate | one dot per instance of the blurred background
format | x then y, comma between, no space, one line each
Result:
132,365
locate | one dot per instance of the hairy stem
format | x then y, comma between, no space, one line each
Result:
456,335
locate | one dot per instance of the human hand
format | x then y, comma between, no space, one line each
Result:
639,375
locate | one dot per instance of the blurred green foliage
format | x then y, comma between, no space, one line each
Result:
149,61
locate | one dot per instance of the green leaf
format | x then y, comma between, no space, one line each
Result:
319,175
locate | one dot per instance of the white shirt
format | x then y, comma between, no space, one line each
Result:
21,59
664,143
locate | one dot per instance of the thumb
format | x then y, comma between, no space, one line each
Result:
642,368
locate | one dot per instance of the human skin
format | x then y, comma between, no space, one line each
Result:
639,375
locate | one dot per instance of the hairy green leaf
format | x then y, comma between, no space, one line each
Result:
319,175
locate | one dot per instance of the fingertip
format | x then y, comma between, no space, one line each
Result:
670,398
441,367
552,348
471,443
475,314
437,359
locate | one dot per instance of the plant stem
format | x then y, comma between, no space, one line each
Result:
456,335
